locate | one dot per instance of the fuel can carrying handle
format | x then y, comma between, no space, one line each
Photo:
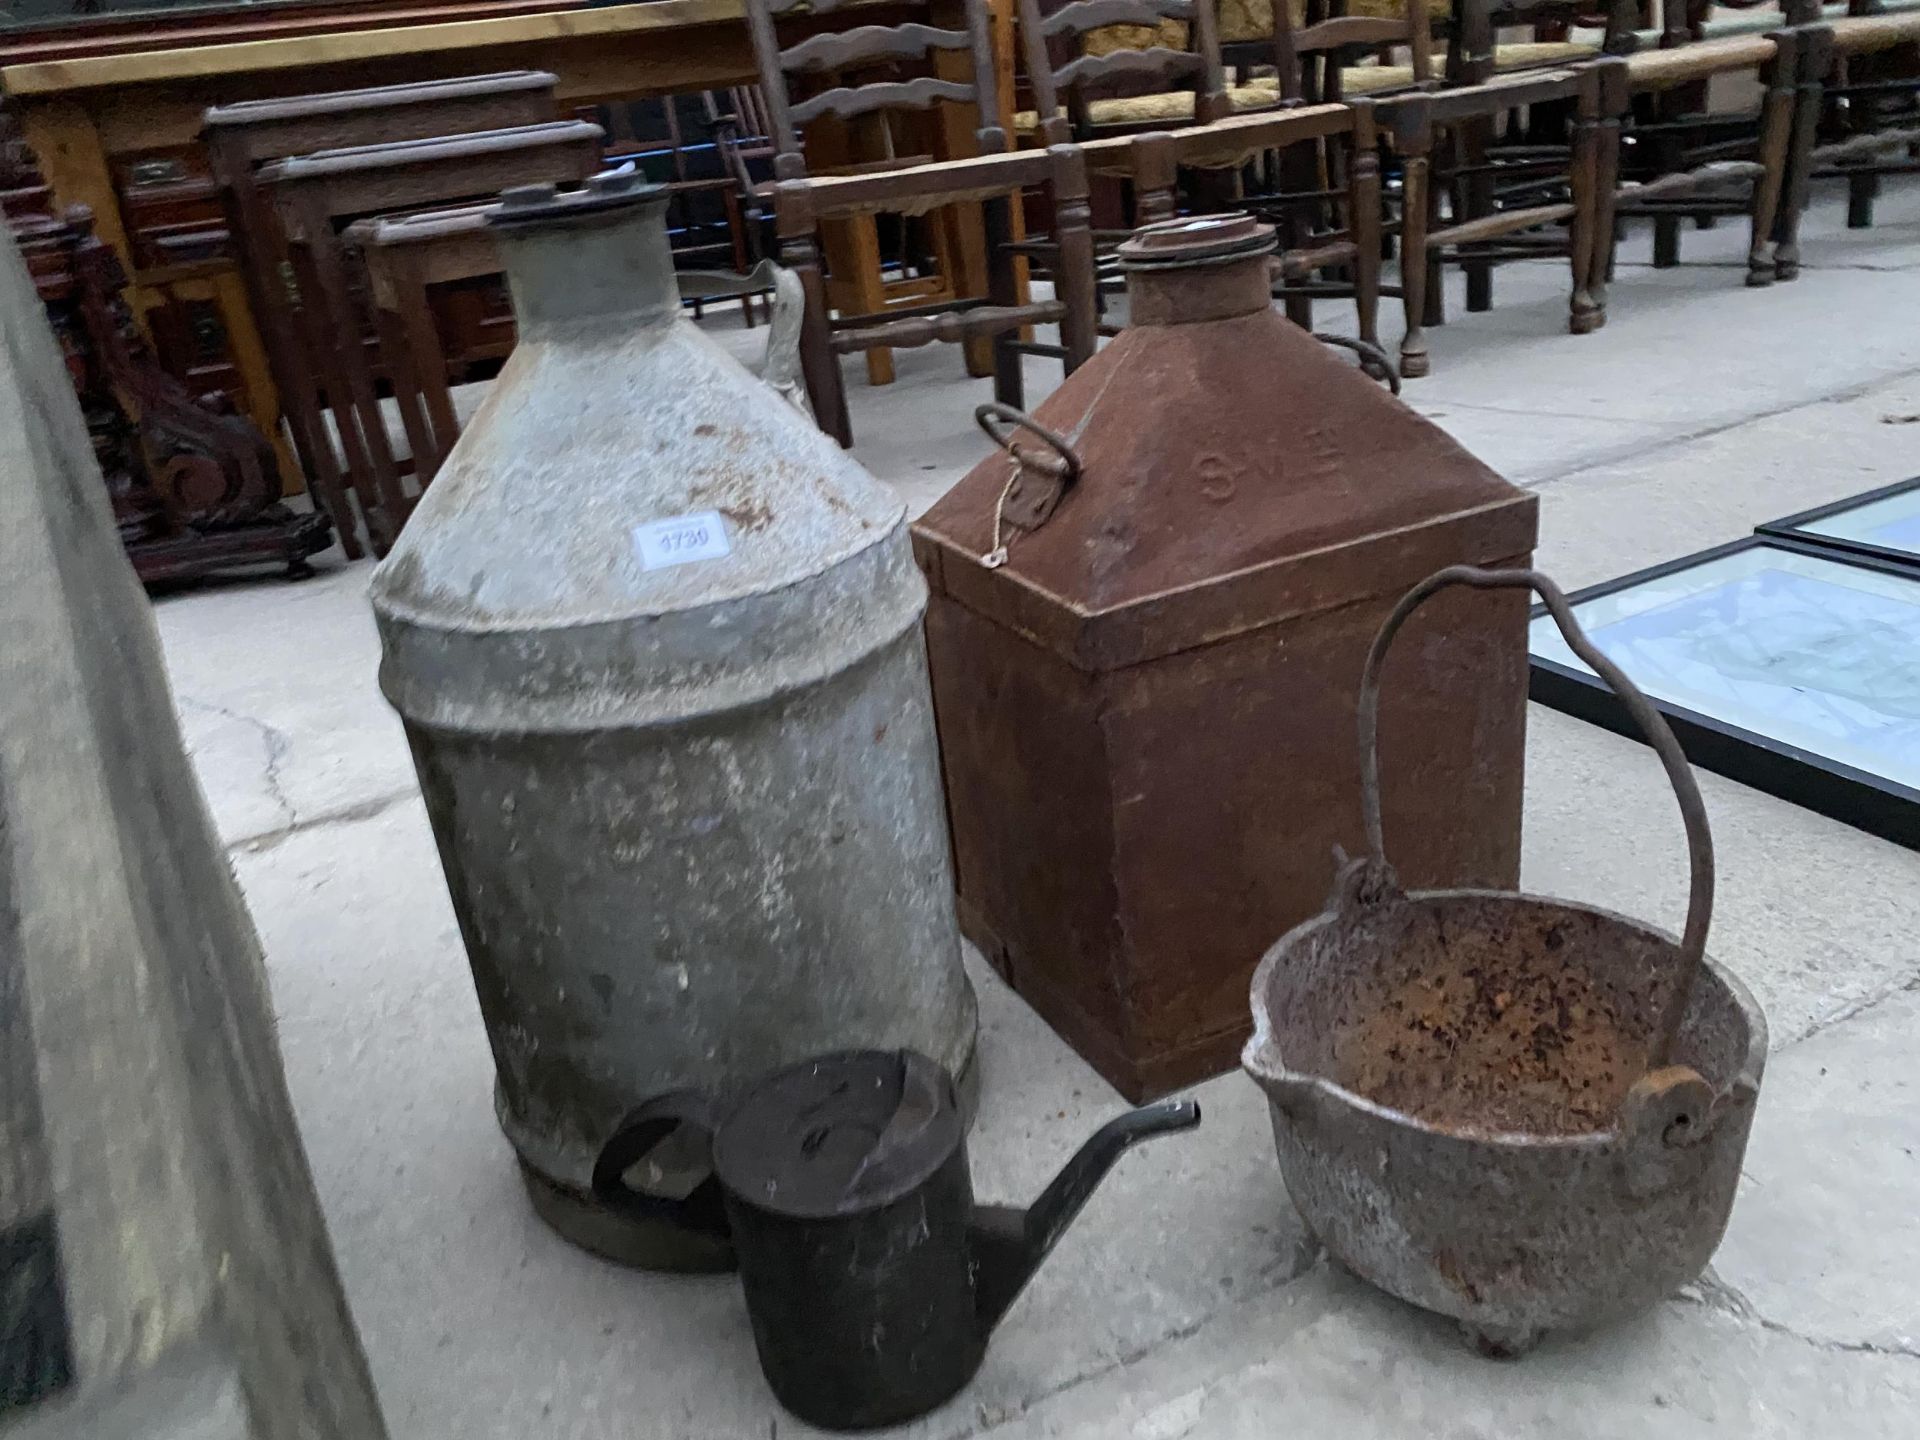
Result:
1036,483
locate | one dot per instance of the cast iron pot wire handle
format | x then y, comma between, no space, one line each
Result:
1693,941
701,1209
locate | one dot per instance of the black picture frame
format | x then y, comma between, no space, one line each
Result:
1855,797
1793,527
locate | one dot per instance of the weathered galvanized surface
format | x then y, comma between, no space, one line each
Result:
1520,1112
163,1260
690,815
1144,711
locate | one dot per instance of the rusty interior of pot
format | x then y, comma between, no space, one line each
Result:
1492,1013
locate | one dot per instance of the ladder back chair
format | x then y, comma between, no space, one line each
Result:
948,67
1075,77
1313,56
1414,121
1153,163
1059,170
836,102
1685,163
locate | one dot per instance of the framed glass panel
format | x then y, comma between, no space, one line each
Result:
1780,664
1883,524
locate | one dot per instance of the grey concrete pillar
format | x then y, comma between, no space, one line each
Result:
164,1267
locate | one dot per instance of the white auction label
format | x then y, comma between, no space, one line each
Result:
681,540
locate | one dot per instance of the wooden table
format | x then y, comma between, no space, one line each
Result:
89,110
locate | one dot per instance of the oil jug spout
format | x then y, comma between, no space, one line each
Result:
1009,1243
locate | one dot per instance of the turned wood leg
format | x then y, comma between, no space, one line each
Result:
1583,315
868,286
819,365
1074,279
1602,228
1815,52
1776,134
1003,289
1478,135
1363,201
1415,266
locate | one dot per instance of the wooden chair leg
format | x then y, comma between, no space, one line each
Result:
1776,136
1003,288
1363,218
737,234
403,376
1073,282
868,287
1415,144
1584,314
819,365
1816,49
1300,169
1478,188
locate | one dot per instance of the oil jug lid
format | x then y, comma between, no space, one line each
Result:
840,1134
543,204
1194,240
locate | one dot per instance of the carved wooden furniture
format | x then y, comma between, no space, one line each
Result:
1088,81
851,77
1313,59
1060,170
97,101
1870,108
845,100
745,137
313,195
1686,165
239,138
195,489
1154,161
1414,121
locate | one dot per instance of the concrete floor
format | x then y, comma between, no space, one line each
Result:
1188,1302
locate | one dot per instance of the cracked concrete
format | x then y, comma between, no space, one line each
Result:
1188,1301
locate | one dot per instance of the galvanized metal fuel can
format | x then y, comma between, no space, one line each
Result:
657,645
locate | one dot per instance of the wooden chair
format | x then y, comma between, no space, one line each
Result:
1163,54
240,138
671,141
1869,119
952,67
993,177
1685,164
315,195
1414,121
1153,162
1312,57
834,104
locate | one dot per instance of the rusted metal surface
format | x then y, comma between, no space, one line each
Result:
1520,1112
1142,710
688,804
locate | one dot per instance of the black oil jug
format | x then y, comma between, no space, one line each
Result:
872,1278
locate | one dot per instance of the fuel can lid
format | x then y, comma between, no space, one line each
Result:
840,1134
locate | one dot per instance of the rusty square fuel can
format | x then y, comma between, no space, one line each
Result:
1148,620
